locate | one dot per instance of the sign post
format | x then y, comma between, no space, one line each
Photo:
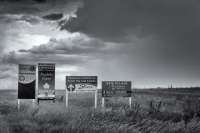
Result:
116,88
76,84
102,102
46,81
33,103
26,82
95,104
66,99
18,103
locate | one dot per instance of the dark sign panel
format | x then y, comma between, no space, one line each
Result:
116,88
26,81
81,83
46,80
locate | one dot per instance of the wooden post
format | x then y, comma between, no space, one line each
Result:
95,104
18,103
66,98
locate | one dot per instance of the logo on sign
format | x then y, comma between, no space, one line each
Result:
31,68
21,78
46,86
71,88
84,86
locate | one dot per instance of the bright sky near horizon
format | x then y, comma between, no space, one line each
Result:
151,43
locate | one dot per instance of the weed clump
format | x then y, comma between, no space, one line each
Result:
154,107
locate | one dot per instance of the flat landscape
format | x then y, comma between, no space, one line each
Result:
175,110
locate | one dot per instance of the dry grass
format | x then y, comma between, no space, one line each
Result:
149,114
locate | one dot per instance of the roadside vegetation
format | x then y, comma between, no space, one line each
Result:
151,112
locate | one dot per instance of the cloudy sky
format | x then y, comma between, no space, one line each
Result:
151,43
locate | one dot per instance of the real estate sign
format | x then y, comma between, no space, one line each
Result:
26,81
46,80
81,83
116,88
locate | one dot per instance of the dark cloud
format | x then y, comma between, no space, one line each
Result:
61,22
167,31
40,1
13,58
53,16
19,8
37,7
116,20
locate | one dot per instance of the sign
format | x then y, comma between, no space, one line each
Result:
26,81
46,80
116,88
81,83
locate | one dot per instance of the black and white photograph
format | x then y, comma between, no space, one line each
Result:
99,66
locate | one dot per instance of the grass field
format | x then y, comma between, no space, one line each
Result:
153,111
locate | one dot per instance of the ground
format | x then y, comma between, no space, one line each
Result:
153,110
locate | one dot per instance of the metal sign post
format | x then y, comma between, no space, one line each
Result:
33,103
18,103
130,102
102,102
66,99
95,105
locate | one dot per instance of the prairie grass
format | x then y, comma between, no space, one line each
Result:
149,114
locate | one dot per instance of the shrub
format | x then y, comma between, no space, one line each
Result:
60,99
154,107
167,116
190,110
179,97
134,110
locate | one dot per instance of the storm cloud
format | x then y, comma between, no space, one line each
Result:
78,45
152,43
53,16
13,58
161,33
116,20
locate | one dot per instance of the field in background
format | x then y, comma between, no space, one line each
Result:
153,110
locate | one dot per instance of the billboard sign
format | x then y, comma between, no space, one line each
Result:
46,80
26,81
81,83
116,88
